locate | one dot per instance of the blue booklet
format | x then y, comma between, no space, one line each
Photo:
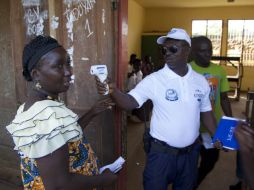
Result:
225,133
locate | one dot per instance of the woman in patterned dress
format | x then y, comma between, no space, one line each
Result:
47,135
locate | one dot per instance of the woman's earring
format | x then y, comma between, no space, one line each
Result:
38,86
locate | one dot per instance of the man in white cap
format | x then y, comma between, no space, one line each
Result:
180,98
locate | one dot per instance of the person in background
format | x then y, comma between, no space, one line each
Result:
47,135
245,137
134,79
147,66
136,76
133,57
137,69
201,54
176,92
240,185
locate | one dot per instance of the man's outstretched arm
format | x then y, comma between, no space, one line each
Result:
123,100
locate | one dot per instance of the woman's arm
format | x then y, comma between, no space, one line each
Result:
99,107
54,170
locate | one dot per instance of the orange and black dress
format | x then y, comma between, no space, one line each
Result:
45,127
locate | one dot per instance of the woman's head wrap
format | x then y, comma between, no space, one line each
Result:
34,50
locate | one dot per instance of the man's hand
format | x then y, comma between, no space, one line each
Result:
103,87
217,144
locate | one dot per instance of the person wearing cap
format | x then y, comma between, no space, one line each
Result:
201,53
180,98
54,154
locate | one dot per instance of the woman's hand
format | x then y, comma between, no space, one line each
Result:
98,107
102,105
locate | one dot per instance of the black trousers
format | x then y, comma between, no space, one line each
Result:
164,167
209,157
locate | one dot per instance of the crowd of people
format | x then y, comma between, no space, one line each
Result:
138,69
49,136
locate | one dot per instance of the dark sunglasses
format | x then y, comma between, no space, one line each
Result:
172,49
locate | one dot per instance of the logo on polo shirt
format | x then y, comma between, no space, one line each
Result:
198,95
171,95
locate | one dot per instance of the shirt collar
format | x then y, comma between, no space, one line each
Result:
169,73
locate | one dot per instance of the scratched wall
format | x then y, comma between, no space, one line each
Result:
90,41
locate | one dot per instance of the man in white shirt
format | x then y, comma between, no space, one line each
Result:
180,98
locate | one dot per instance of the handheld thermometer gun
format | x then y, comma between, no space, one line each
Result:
101,72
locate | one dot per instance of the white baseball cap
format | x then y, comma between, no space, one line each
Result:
177,34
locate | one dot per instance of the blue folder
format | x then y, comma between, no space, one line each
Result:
225,133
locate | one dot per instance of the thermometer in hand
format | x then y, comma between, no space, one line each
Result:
101,72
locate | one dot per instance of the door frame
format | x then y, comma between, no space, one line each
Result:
121,68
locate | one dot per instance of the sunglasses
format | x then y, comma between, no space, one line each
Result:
171,49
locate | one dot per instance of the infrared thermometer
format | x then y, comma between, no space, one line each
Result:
101,72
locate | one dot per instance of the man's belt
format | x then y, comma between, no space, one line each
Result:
161,146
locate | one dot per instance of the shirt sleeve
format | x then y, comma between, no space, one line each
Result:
206,103
41,131
143,91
